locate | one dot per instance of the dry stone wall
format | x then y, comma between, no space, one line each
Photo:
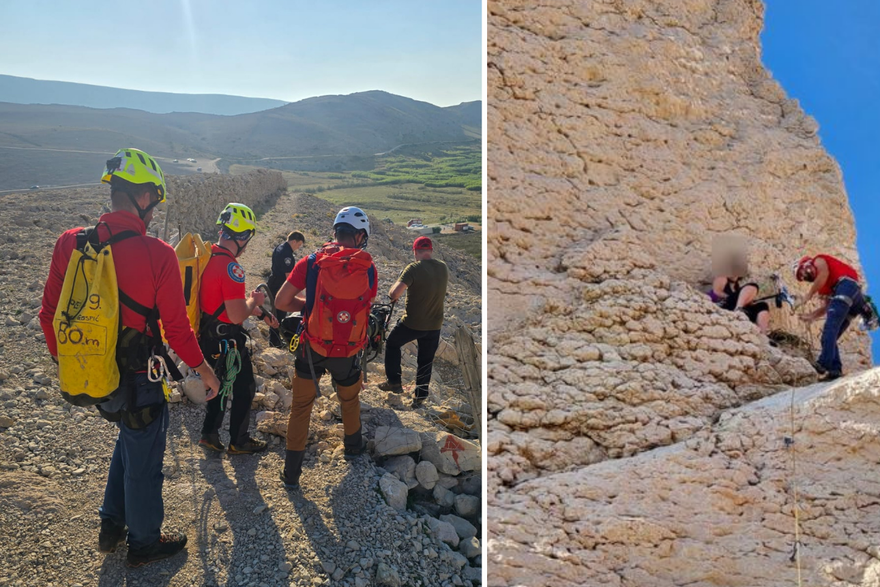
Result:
195,201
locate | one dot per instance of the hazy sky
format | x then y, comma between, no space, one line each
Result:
828,57
282,49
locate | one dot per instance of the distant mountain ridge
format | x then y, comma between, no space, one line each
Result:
23,90
356,124
53,144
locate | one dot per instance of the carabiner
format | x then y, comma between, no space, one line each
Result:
157,369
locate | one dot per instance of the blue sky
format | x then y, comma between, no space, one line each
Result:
827,55
282,49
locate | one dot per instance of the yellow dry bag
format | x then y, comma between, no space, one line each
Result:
192,256
87,321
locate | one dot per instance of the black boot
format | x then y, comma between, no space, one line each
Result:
293,461
110,536
354,445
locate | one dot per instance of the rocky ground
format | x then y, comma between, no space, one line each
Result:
406,514
718,509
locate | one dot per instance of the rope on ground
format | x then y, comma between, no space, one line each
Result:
233,366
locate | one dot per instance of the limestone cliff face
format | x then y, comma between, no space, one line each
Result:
655,120
715,510
624,136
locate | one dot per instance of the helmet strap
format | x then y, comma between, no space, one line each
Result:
239,249
142,212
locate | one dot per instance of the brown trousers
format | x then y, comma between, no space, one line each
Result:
301,410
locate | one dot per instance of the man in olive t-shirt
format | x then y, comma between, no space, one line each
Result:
425,285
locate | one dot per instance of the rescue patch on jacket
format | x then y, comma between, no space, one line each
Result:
235,272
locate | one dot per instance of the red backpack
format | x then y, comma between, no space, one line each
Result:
339,287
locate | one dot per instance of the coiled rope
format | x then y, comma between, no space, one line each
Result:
233,366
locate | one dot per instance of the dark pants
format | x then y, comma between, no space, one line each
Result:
427,342
274,334
133,495
243,390
343,370
847,303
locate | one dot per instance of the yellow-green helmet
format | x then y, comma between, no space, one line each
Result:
238,221
135,166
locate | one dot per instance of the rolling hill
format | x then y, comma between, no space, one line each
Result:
23,90
48,143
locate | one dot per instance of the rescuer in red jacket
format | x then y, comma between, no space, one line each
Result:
147,273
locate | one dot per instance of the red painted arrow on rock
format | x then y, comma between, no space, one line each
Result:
454,446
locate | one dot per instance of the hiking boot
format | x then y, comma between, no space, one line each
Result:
168,545
418,402
289,484
354,446
292,469
212,442
111,536
830,376
820,370
388,386
352,452
249,446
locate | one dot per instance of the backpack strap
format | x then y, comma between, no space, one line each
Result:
155,342
312,269
90,235
216,314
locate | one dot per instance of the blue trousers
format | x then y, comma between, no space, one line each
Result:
847,302
133,495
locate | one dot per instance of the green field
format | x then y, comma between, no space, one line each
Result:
437,184
453,167
471,243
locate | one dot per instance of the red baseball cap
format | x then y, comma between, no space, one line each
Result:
423,243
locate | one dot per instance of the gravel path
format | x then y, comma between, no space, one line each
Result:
244,528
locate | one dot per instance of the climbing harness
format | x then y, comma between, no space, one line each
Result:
782,294
312,369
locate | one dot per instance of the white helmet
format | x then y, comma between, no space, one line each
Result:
195,390
354,217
